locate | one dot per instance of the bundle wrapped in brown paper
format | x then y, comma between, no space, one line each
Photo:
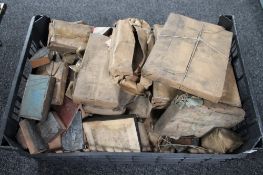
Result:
118,135
129,46
58,70
94,86
221,140
191,56
68,36
124,100
122,49
192,116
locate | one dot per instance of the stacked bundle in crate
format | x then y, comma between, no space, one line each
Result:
132,88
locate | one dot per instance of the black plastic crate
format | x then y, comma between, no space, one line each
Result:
250,129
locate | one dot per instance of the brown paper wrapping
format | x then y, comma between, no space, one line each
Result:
189,117
67,36
130,43
97,89
122,48
112,135
191,56
221,140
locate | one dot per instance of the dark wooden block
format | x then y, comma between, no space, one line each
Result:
55,144
72,139
21,139
40,58
67,111
37,97
51,128
32,137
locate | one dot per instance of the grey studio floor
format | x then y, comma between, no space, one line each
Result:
13,29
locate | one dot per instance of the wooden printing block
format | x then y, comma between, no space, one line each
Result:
72,139
21,139
55,144
34,142
37,97
67,111
40,58
51,128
